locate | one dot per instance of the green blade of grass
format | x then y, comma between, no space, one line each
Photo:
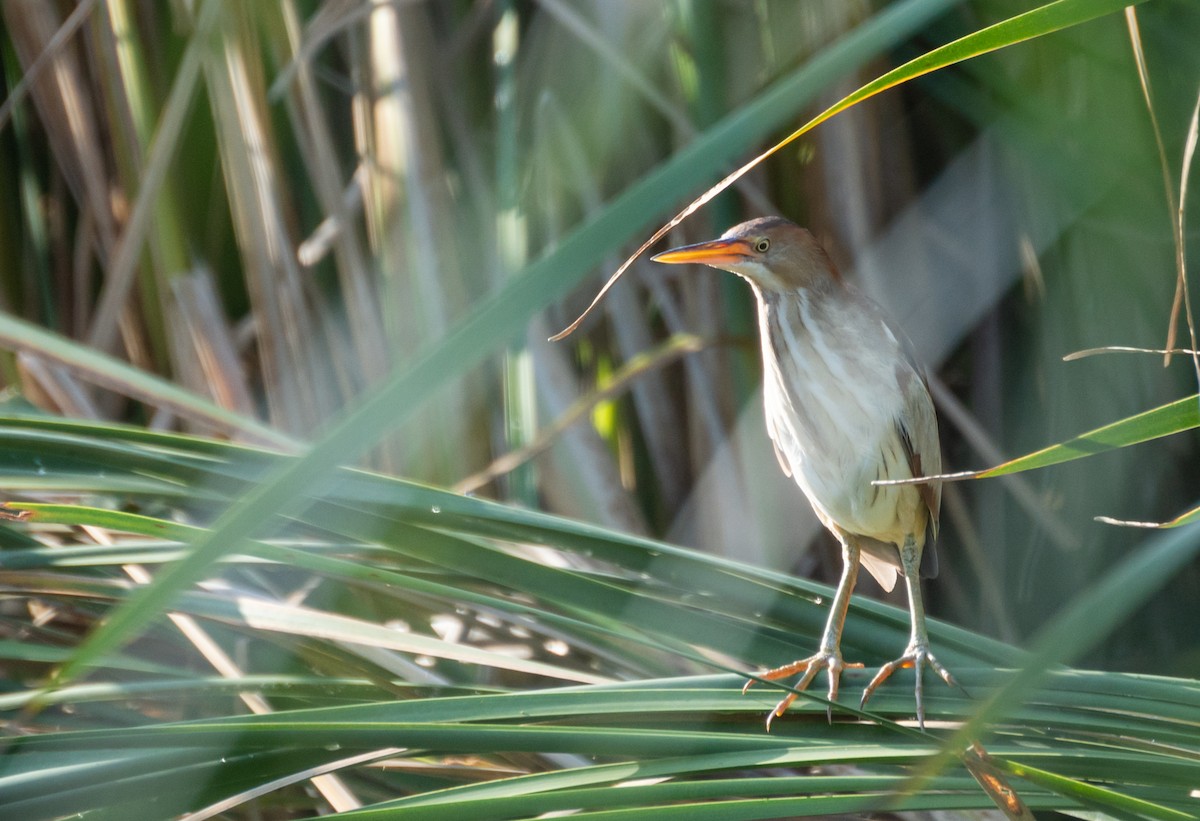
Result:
110,372
1175,417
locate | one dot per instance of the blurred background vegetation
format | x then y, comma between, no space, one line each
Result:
278,205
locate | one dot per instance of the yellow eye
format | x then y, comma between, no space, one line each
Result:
762,245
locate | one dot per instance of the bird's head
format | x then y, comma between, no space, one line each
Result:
770,252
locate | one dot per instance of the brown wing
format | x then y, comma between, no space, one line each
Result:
919,435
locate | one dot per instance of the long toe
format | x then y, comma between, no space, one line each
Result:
945,674
807,669
917,657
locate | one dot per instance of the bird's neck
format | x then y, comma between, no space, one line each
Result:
807,299
821,318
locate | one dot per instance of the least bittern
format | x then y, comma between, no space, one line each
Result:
846,407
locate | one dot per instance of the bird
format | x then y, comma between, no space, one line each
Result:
846,407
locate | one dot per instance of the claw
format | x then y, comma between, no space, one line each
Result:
916,656
808,668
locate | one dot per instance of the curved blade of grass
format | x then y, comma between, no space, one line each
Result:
110,372
454,723
287,685
1090,795
300,620
688,703
804,794
22,651
696,749
526,796
1175,417
176,777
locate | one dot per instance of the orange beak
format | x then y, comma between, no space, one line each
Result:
716,252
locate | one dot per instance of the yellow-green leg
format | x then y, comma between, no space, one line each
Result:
917,654
829,655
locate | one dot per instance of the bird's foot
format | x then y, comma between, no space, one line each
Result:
808,668
916,656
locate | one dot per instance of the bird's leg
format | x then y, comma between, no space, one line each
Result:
917,654
829,655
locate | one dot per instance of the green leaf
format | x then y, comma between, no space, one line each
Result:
1178,416
112,373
